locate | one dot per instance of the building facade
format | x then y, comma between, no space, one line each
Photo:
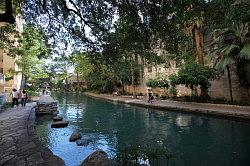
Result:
8,64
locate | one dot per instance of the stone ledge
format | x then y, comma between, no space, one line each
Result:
185,106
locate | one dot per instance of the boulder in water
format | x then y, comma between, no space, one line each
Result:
59,124
57,118
99,158
75,136
84,142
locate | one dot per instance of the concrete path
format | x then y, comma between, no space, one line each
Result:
19,145
204,108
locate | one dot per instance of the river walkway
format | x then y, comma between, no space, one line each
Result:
19,145
232,111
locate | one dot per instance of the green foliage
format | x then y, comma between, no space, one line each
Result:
82,64
243,71
173,79
141,26
9,75
173,91
29,48
193,74
230,46
161,83
33,48
152,83
6,37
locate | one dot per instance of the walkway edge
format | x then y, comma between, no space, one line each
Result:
51,159
215,112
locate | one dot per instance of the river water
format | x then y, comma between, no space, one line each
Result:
192,139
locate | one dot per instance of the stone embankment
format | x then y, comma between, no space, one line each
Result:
46,105
224,110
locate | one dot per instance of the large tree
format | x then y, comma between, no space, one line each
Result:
78,23
32,50
86,25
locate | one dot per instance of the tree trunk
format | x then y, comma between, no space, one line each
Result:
78,82
198,39
248,94
8,15
23,82
66,88
133,76
230,84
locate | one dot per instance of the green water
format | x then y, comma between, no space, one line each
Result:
194,140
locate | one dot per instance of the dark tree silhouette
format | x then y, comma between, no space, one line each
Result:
8,15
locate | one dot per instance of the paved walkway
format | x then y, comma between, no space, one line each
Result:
19,145
204,108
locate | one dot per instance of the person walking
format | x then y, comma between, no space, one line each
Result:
24,98
15,96
150,95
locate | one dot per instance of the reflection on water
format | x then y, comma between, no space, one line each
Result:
193,139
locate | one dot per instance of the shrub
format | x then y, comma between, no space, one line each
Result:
193,74
152,83
173,91
161,83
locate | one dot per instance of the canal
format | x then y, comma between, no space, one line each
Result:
192,139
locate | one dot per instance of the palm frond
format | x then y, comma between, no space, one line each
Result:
232,51
245,52
226,60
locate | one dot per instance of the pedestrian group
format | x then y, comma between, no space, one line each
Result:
16,95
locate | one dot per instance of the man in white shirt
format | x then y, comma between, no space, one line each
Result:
15,96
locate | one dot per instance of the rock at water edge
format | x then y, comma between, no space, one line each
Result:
75,136
59,124
57,118
99,158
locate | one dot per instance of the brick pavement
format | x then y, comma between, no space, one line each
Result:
19,145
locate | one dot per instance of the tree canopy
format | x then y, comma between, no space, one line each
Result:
115,32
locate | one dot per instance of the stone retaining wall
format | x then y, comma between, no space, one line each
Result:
46,105
219,89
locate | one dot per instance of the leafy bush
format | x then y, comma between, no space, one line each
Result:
173,91
152,83
161,83
193,74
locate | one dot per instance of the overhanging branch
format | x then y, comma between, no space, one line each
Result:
78,13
